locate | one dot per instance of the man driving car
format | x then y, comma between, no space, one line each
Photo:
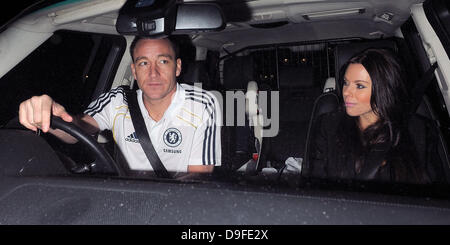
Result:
181,120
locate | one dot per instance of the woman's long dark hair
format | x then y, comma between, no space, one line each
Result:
390,102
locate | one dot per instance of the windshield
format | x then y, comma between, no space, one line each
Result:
340,113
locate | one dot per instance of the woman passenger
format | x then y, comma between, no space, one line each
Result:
369,138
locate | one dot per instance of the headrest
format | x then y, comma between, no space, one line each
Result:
237,71
330,85
296,77
251,98
344,52
194,72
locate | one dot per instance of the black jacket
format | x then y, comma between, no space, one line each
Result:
414,160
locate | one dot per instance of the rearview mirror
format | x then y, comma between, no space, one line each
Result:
158,18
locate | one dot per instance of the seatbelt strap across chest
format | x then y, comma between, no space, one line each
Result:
421,87
143,135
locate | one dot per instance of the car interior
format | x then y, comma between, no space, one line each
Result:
281,59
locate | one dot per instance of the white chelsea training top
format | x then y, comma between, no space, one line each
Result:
187,134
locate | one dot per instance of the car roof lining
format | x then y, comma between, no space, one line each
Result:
367,25
100,16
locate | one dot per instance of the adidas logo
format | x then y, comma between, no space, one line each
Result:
132,138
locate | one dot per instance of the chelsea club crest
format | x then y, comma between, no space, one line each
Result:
172,137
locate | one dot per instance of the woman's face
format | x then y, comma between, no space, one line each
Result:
357,91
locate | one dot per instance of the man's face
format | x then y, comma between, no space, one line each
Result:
155,68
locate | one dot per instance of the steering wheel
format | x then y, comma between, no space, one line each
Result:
104,162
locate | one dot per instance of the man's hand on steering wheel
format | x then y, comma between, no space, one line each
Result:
36,113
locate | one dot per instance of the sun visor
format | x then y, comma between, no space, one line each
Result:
159,18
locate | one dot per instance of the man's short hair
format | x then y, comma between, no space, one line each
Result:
172,43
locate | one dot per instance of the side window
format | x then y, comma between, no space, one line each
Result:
67,67
437,12
415,54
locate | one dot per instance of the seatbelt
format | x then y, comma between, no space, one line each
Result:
373,161
422,86
143,135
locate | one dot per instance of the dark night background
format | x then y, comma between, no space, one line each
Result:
61,75
13,8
